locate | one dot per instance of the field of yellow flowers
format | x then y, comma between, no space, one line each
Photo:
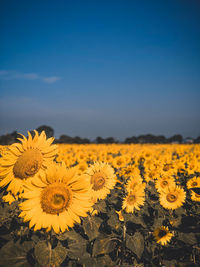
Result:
99,205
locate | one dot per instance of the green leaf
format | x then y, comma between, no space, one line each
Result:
187,238
87,260
7,212
76,244
91,226
100,206
70,235
103,245
15,254
46,256
114,221
171,263
158,222
135,244
135,219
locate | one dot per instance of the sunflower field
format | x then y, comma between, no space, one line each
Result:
99,205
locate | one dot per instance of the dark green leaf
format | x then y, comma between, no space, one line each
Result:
100,206
46,256
171,263
114,221
76,244
135,244
87,261
15,254
103,245
158,222
69,235
91,226
134,219
187,238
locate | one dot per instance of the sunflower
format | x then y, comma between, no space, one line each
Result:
134,181
102,178
9,197
24,160
195,196
56,199
162,235
134,199
173,197
82,166
193,182
164,182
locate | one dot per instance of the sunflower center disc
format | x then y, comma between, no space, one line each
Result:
162,233
171,197
131,199
55,198
28,164
98,181
164,183
194,184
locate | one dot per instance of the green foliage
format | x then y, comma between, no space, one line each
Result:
15,254
103,245
48,256
91,226
103,240
135,244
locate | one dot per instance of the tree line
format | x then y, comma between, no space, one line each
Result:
8,139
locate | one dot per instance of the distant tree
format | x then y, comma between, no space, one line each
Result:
65,139
177,138
48,130
131,140
197,140
77,140
99,140
161,139
85,141
109,140
9,139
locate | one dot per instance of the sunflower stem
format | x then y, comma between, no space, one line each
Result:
124,242
49,243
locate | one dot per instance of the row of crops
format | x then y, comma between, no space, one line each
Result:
99,205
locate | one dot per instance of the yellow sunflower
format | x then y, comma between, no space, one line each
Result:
162,235
195,196
193,182
102,178
23,160
9,197
133,182
134,199
56,199
164,182
172,198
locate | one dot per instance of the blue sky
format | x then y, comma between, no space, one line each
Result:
108,68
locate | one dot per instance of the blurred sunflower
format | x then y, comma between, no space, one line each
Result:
56,199
133,182
164,182
102,178
81,167
134,199
172,198
162,235
23,160
193,182
195,196
9,197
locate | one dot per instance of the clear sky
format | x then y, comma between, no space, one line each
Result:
108,68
